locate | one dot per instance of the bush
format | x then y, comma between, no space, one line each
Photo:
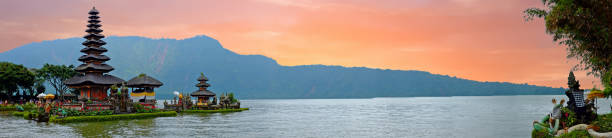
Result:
216,111
540,134
109,117
604,122
568,116
70,112
19,113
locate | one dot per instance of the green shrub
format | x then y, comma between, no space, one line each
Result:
20,114
568,116
8,108
216,111
100,118
604,122
540,134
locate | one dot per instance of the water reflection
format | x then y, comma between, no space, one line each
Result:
138,127
485,116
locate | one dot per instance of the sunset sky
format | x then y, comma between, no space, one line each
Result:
484,40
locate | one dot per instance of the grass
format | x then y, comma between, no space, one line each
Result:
101,118
19,113
10,108
215,111
576,134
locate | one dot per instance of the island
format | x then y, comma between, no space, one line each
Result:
94,102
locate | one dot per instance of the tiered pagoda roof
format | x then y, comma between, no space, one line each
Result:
93,69
203,91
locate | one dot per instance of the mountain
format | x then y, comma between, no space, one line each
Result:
177,63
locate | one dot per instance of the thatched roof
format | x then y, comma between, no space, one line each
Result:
94,57
92,67
93,11
202,93
93,79
143,80
93,41
97,49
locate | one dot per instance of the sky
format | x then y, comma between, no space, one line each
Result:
483,40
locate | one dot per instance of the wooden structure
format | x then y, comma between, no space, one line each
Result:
145,86
92,79
203,94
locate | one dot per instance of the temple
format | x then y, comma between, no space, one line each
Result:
203,93
145,86
92,80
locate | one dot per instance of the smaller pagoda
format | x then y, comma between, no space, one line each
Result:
203,93
145,86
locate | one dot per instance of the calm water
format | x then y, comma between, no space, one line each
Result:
485,116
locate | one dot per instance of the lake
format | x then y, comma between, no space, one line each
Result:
469,116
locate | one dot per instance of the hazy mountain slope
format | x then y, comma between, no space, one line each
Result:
177,63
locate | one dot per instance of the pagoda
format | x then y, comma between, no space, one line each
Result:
203,93
92,80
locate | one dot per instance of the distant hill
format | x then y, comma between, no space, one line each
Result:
177,63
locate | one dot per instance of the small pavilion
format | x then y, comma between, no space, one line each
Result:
144,88
202,93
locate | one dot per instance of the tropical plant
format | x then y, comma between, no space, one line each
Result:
585,27
13,77
56,75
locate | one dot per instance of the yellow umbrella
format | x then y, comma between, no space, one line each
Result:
595,94
49,96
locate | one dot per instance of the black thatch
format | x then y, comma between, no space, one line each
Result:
94,57
94,67
204,84
94,21
96,49
94,42
94,17
94,25
93,11
94,30
203,93
98,36
93,79
144,81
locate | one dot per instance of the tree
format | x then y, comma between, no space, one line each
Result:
14,77
585,27
56,75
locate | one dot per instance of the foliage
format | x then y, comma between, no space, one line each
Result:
56,75
100,118
13,77
540,134
142,109
87,112
19,113
584,27
568,116
231,98
10,107
604,122
215,111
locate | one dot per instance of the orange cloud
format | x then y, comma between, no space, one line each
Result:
475,39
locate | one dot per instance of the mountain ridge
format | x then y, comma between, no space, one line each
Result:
177,62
